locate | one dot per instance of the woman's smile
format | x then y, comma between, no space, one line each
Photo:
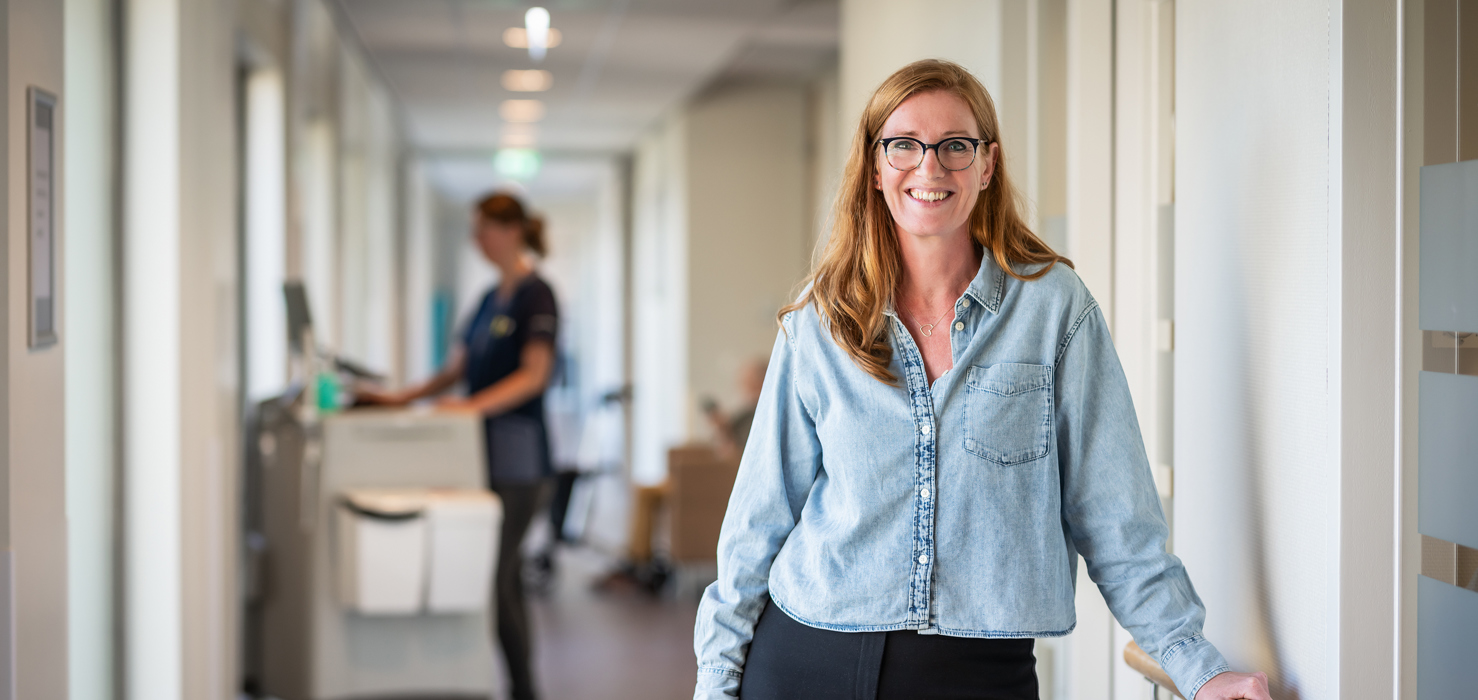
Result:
929,196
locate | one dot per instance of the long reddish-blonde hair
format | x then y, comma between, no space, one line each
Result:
858,273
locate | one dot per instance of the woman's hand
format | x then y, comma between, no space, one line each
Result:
1236,686
458,405
379,397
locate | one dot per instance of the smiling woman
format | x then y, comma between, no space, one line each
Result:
899,529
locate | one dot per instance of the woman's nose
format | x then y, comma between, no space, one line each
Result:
930,165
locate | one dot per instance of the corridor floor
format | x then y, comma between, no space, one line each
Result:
610,645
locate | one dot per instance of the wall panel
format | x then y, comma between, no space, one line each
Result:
1255,518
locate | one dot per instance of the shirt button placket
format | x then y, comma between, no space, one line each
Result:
921,403
925,537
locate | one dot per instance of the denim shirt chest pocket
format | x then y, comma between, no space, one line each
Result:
1008,412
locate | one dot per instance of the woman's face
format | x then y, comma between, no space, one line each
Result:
497,241
930,201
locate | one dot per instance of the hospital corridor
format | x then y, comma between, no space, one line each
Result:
765,349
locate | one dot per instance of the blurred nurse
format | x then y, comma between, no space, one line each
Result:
506,358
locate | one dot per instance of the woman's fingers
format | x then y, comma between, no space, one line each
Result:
1236,686
1257,686
1261,690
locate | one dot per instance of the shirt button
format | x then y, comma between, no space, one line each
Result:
923,559
924,493
925,428
965,303
959,325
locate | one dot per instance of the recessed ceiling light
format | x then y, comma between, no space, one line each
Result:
521,111
536,22
518,38
527,80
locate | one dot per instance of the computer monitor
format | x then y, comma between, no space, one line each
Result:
298,317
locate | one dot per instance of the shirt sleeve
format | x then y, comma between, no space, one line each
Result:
777,471
1112,509
540,314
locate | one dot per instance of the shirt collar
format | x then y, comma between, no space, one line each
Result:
987,288
989,284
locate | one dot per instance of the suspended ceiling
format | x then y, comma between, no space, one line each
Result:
620,66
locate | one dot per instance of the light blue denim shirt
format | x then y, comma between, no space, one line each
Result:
956,508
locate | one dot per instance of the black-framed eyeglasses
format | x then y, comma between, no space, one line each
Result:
907,153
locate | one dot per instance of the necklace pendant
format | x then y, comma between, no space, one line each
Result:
928,330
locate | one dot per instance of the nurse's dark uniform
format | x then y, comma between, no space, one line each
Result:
517,448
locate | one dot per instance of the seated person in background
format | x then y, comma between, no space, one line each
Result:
731,431
641,569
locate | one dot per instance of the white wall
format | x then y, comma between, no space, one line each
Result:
151,258
722,235
265,244
418,269
1090,147
369,230
659,287
33,534
314,134
1143,257
1371,329
749,235
1288,299
316,183
91,353
879,37
180,377
1257,515
827,149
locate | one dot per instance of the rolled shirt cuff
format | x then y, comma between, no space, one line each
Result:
716,683
1191,662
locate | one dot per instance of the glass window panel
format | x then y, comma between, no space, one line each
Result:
1447,634
1449,250
1447,445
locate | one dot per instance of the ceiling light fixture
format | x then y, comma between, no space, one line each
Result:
518,38
521,111
527,80
536,25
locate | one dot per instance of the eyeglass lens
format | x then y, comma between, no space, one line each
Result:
907,154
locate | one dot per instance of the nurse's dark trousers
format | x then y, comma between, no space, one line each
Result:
512,629
788,660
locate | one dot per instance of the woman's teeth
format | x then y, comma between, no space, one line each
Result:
923,196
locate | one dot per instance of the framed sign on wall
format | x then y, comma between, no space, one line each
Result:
42,205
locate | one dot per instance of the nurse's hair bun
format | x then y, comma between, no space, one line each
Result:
533,236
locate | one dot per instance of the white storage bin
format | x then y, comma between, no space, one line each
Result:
409,551
382,551
462,544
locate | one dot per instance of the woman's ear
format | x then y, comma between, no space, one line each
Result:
993,154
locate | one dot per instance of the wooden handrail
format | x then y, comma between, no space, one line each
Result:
1146,666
